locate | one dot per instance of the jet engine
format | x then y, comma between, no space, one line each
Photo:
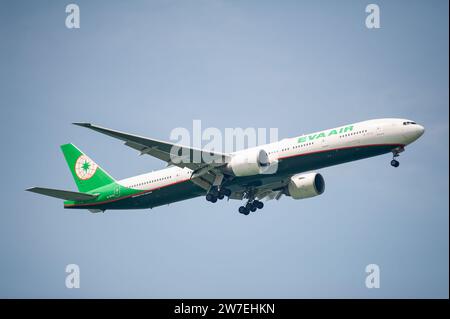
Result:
247,163
306,185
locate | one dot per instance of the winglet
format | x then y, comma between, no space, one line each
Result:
82,124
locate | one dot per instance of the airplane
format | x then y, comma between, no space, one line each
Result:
256,174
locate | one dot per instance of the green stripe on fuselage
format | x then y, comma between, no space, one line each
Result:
110,192
136,199
127,198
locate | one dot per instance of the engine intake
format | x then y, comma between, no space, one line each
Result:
306,185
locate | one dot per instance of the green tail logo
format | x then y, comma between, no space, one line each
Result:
86,173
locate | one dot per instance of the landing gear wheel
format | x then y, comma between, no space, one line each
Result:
253,208
243,210
220,196
395,163
396,153
259,204
211,198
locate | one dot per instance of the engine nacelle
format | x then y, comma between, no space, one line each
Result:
306,185
251,162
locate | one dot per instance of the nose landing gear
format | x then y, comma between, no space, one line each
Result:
395,163
396,153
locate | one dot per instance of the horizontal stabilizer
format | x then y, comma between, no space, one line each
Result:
68,195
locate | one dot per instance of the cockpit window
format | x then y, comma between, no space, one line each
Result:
408,123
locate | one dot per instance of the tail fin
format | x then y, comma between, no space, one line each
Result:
87,174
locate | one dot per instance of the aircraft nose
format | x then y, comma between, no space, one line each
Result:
420,130
412,132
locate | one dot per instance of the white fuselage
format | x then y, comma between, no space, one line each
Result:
367,133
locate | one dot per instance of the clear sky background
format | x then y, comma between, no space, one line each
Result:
149,66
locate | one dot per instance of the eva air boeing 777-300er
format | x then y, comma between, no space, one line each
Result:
255,174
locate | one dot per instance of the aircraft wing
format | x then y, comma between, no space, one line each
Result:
171,153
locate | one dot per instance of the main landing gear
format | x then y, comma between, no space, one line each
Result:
216,194
252,203
251,207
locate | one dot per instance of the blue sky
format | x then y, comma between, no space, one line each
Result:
150,66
